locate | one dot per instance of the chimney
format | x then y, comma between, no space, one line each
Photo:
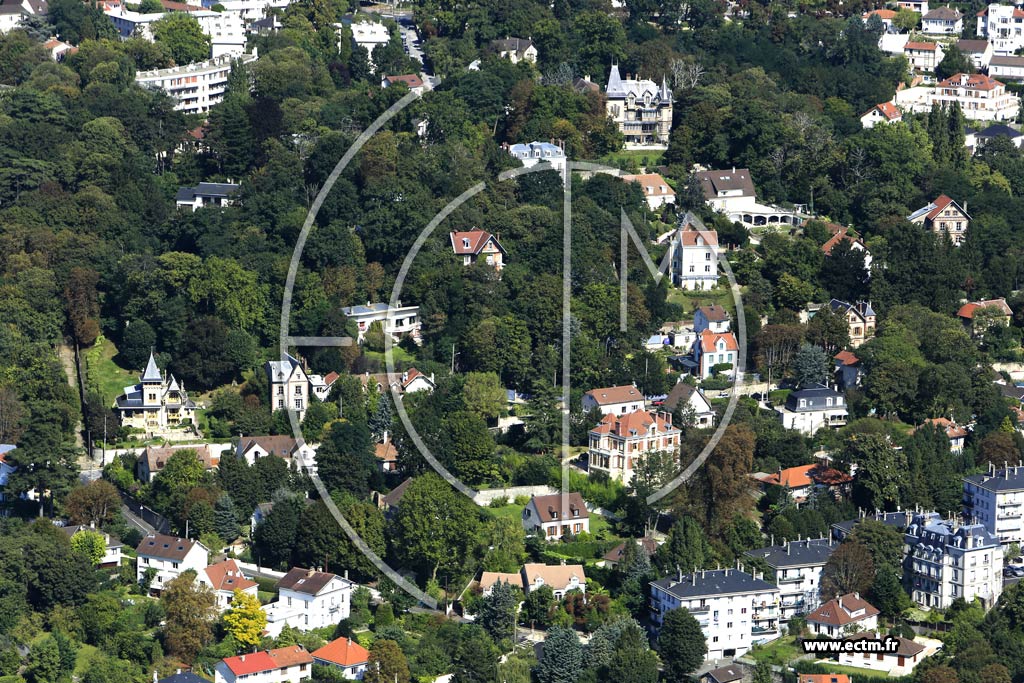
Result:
243,658
154,677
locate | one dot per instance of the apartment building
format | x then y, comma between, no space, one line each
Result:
195,88
995,499
797,569
169,556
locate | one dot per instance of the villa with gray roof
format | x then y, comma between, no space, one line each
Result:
397,321
206,194
946,560
797,566
157,404
735,610
899,520
995,499
640,108
810,408
530,154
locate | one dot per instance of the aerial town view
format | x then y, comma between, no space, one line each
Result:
568,341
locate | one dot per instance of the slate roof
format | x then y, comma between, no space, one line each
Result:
648,546
997,130
184,677
713,182
900,520
726,674
305,580
712,582
393,498
972,46
808,552
220,190
166,547
681,392
942,14
1001,480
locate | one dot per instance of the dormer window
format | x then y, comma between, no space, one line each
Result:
465,243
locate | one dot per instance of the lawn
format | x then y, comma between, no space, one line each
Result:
83,660
633,159
690,300
511,511
852,670
103,374
780,651
400,355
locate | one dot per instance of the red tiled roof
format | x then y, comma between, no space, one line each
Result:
928,47
386,451
846,358
653,184
941,203
836,611
343,652
331,378
226,576
610,395
258,662
411,80
970,81
953,430
835,239
410,375
805,475
636,423
709,340
824,678
688,237
882,14
887,109
471,241
968,309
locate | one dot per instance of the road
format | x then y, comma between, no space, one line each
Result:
411,43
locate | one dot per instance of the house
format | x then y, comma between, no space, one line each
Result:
726,674
321,385
153,459
1003,25
797,567
999,130
735,609
942,21
169,556
195,88
860,319
646,546
919,6
954,432
308,599
59,49
412,81
823,678
183,677
713,350
391,501
981,97
556,515
978,51
899,663
842,615
387,456
515,50
289,449
692,397
562,578
289,385
728,192
923,56
842,234
413,380
614,400
657,191
809,409
619,443
13,11
892,44
369,35
477,245
848,369
899,520
489,579
884,15
640,108
886,112
946,560
344,654
680,334
285,664
112,546
803,480
532,153
693,263
156,405
397,321
714,317
995,499
224,578
978,316
944,216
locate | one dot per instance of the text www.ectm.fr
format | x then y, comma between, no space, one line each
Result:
835,647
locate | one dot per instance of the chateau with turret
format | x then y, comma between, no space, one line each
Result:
641,109
156,404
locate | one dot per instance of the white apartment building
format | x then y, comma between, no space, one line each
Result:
1003,25
614,400
284,665
619,442
253,10
129,23
532,153
693,263
641,109
945,560
397,321
289,385
169,556
369,34
995,500
797,567
734,609
981,97
194,87
308,599
226,31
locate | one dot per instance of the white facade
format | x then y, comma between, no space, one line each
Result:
368,35
614,400
252,448
943,21
899,663
797,567
561,578
397,321
980,97
808,410
946,561
734,609
551,517
224,578
532,153
694,256
252,10
995,499
308,599
194,87
289,385
226,31
714,349
169,556
1007,67
284,665
1003,25
129,23
923,56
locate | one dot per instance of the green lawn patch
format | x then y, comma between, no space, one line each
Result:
400,355
83,660
510,511
633,159
780,651
852,670
103,374
690,300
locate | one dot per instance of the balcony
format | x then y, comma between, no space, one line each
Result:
762,630
789,579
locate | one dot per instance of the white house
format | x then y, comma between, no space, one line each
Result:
252,448
886,112
842,615
946,560
919,6
289,385
515,50
412,380
411,81
562,578
979,51
735,610
11,13
397,321
714,349
169,556
809,409
954,432
308,599
981,97
1007,67
714,317
657,192
206,194
619,443
532,153
224,578
899,663
1003,25
284,665
731,192
693,263
703,413
345,655
944,21
553,516
369,34
614,400
112,546
923,56
797,566
995,499
194,87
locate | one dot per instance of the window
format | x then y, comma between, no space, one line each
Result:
174,565
298,404
298,391
280,390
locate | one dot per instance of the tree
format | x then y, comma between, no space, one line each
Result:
849,570
91,544
44,665
881,470
483,394
681,644
184,39
997,449
763,672
345,459
190,609
246,619
887,593
387,663
828,330
686,547
562,656
884,543
810,365
953,62
95,503
776,345
225,518
497,612
906,20
537,607
468,447
274,537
